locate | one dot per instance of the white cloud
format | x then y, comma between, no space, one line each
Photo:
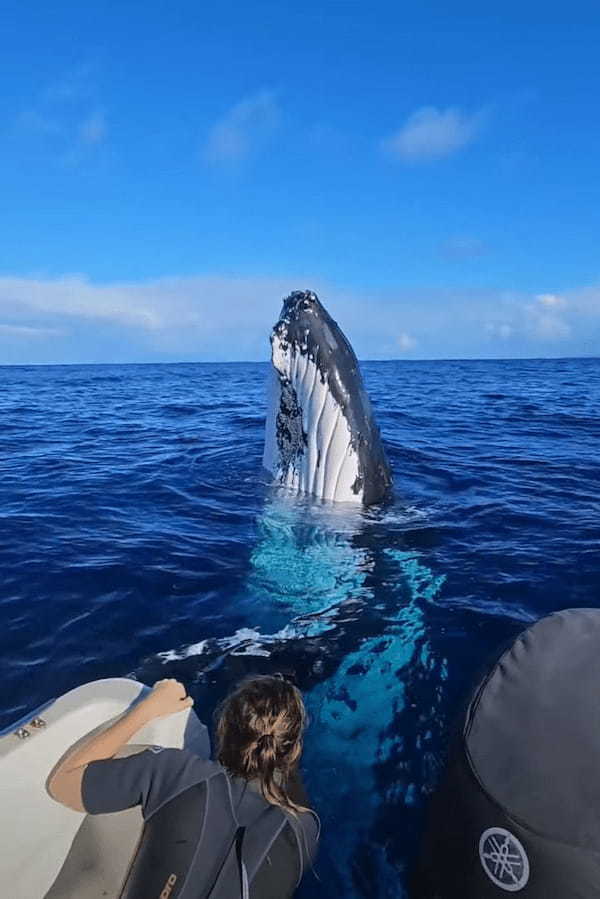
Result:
545,319
67,116
208,317
36,122
548,318
431,133
550,299
205,317
26,331
93,129
406,343
462,247
552,327
128,305
74,85
499,329
243,129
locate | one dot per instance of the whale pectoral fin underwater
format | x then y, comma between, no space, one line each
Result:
321,435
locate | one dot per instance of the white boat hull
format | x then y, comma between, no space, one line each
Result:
48,850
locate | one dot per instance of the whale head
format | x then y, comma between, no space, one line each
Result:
321,436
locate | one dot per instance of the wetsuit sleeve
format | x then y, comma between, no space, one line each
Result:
149,778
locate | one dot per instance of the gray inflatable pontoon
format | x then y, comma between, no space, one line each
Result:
518,810
49,851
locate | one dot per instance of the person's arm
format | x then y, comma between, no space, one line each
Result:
64,785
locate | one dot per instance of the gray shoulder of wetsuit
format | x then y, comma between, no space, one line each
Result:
221,860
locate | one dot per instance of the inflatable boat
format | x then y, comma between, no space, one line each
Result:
49,851
518,810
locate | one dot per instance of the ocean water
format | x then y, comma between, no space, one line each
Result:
138,537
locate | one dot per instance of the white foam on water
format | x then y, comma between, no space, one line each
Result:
249,641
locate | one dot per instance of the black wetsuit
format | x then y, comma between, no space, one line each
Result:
172,787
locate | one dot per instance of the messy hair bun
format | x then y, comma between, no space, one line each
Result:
259,735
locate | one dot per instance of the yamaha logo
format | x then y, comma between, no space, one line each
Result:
504,859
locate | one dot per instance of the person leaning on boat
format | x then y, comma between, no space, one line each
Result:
239,826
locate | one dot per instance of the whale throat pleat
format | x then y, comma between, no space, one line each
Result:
314,408
313,452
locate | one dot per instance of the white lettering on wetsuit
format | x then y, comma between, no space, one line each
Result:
168,887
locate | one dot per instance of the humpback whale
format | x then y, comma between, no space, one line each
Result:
311,606
321,435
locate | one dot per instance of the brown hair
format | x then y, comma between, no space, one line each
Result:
259,735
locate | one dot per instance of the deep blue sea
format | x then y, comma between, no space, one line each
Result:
138,537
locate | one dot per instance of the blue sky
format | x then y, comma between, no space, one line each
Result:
169,171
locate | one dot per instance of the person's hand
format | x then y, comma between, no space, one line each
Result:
167,697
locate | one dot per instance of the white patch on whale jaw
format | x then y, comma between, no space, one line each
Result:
308,445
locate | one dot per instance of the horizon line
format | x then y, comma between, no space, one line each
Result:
268,361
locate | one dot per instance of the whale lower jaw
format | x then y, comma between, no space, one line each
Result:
309,446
